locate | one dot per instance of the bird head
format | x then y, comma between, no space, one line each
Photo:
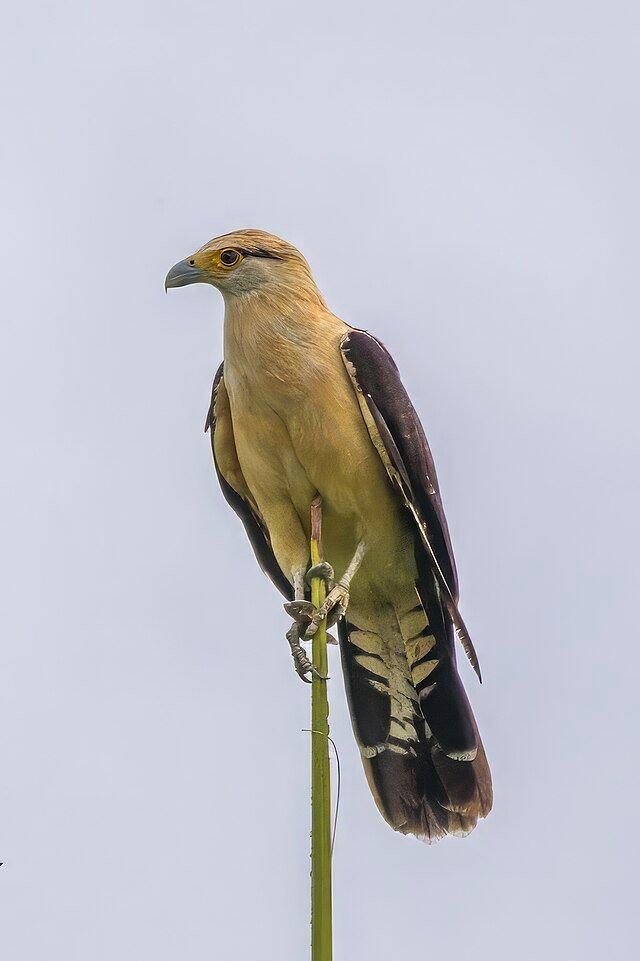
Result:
246,262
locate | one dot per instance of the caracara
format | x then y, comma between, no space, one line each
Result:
305,404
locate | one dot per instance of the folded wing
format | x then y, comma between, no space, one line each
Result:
234,487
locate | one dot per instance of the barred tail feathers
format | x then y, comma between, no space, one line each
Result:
422,754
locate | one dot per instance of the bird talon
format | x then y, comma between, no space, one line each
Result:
324,570
302,613
300,609
302,663
333,608
316,673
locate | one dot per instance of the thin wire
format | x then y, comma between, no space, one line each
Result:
308,730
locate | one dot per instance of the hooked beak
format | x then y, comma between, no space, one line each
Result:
184,273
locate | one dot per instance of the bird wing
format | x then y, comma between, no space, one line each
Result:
234,486
399,438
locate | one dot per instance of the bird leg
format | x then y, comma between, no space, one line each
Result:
300,609
324,570
302,612
337,600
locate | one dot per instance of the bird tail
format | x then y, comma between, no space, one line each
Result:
418,738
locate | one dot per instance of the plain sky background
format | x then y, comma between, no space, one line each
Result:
463,178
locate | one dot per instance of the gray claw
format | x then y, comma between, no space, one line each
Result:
301,662
316,673
303,614
302,671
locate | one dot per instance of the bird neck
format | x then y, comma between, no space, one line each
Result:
270,333
283,317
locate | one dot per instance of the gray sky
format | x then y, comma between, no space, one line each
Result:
463,179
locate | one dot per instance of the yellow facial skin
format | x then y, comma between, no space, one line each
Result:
205,266
228,258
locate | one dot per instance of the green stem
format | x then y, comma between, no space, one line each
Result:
321,924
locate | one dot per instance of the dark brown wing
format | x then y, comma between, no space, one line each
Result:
399,438
234,487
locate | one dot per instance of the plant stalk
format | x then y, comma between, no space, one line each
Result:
321,920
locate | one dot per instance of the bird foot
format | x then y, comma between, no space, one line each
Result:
333,608
324,570
301,662
302,613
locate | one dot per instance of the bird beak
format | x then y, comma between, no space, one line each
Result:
184,273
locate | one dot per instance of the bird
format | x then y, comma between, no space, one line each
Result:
302,405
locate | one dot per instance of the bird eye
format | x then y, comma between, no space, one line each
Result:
229,257
192,262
